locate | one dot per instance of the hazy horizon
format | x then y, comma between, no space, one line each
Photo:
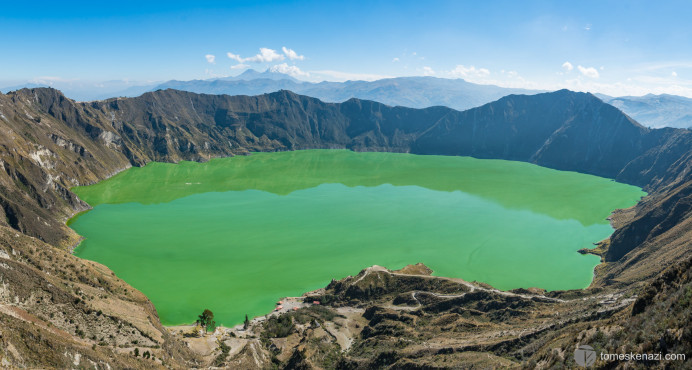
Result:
608,47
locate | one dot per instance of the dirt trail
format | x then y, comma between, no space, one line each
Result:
472,287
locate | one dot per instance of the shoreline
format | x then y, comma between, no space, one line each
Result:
289,304
76,213
612,221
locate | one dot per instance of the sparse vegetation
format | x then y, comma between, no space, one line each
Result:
278,327
192,333
220,360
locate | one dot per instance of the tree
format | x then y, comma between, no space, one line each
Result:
206,319
136,352
246,324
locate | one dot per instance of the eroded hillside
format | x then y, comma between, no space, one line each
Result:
60,311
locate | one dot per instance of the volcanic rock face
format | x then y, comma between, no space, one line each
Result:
50,143
53,143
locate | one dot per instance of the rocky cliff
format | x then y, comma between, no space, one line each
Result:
50,143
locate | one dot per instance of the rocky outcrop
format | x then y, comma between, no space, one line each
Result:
59,311
50,143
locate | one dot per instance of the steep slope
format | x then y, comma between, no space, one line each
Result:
42,156
658,236
53,143
57,310
408,319
50,143
563,130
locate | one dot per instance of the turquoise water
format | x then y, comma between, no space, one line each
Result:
236,234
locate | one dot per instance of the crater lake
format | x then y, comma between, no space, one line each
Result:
234,235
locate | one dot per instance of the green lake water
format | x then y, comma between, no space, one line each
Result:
236,234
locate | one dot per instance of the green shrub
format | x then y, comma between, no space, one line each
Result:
278,327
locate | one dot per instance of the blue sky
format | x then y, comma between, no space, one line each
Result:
614,47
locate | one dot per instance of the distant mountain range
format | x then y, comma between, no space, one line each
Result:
251,74
654,111
412,92
88,90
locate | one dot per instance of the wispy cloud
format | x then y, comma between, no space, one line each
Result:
265,55
466,72
633,87
649,67
590,72
210,58
567,66
395,60
240,66
289,70
292,55
511,74
52,80
235,57
427,71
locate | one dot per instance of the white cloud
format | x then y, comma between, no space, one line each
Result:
638,84
210,58
590,72
235,57
395,60
630,87
659,80
292,55
588,27
49,80
289,70
265,55
651,67
427,71
567,66
472,72
240,66
674,74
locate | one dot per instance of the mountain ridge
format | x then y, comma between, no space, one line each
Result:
399,91
655,111
52,143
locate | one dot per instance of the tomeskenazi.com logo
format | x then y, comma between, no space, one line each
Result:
585,356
